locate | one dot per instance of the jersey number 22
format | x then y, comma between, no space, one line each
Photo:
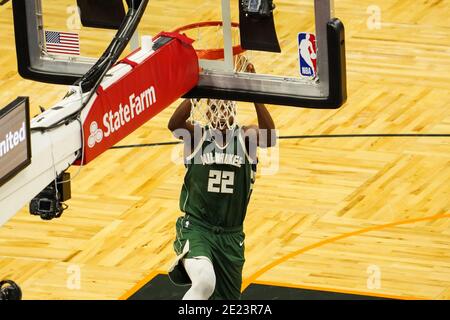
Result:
221,181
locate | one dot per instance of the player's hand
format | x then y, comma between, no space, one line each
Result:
250,68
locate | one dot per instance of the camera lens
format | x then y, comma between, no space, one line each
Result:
45,205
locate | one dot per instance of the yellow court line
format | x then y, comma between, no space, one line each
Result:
345,291
279,261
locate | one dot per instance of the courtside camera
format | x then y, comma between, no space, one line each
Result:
49,203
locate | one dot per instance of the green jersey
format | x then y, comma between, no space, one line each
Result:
219,180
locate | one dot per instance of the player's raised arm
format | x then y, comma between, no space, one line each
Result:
179,119
266,135
266,138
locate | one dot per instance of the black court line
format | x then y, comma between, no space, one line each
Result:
144,145
161,288
368,135
319,136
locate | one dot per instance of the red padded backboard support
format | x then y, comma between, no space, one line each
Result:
147,89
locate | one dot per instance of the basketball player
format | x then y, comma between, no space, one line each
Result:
221,168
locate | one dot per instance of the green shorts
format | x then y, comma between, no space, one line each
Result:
224,247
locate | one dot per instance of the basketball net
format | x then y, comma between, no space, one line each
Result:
216,113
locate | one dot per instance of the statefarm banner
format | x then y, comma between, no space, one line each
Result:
151,86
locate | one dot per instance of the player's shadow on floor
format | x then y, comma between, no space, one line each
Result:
161,288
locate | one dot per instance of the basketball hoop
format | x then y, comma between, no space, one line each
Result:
214,113
214,53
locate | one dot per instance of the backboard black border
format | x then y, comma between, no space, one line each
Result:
329,92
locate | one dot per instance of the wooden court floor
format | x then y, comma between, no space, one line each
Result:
348,213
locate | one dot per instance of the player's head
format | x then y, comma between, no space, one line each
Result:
221,114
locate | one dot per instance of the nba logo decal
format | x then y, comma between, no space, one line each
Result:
307,54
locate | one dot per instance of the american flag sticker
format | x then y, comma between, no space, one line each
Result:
62,42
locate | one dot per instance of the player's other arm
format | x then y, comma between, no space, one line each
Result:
265,130
179,123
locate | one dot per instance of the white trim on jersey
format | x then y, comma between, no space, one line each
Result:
187,197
